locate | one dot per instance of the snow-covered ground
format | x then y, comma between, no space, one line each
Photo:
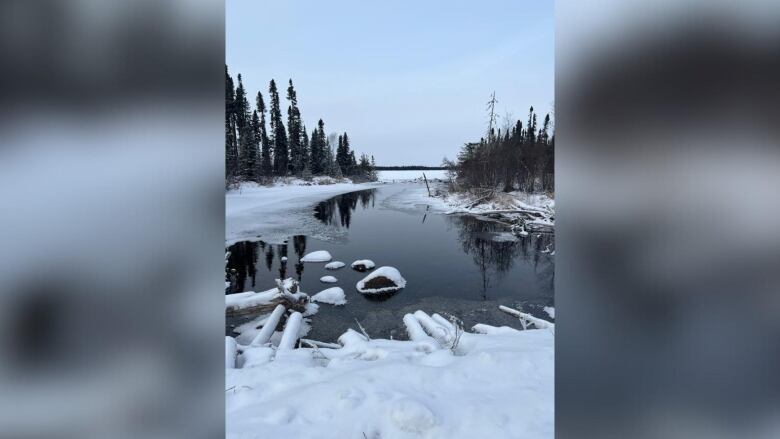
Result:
273,213
393,176
415,195
443,383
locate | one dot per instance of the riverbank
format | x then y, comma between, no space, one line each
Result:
443,383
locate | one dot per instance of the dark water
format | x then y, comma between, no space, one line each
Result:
453,264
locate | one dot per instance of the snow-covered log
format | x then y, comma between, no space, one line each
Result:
417,334
291,331
527,319
437,331
231,352
269,327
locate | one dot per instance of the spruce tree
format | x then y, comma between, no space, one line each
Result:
246,152
231,143
294,130
266,166
278,133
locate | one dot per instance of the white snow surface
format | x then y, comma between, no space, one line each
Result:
499,384
318,256
335,265
391,176
333,296
550,311
274,213
329,279
391,273
368,263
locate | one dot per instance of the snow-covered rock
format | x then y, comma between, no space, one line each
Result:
382,280
284,258
335,265
328,279
333,296
318,256
363,264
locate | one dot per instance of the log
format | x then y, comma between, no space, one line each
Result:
291,331
426,184
269,327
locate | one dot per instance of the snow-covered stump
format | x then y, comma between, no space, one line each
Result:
291,330
264,336
231,352
418,335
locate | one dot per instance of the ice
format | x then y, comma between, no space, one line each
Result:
335,265
274,213
333,296
328,279
318,256
390,273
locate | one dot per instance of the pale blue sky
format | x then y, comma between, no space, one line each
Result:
408,80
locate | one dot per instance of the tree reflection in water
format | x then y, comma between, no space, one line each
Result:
494,250
244,256
344,204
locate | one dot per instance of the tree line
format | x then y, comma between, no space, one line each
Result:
521,158
259,151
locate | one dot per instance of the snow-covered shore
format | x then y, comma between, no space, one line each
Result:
443,383
276,212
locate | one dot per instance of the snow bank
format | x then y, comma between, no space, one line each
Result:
318,256
499,384
393,278
335,265
333,296
328,279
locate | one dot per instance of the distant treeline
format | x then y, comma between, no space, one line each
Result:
410,168
258,152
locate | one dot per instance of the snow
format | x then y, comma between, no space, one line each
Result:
277,212
391,273
550,311
499,384
333,296
391,176
328,279
318,256
335,265
368,263
284,258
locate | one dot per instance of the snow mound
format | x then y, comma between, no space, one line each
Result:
335,265
333,296
383,280
318,256
363,264
328,279
284,258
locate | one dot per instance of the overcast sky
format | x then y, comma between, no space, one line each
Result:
408,80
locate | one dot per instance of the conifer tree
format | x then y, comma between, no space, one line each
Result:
246,142
294,130
278,133
266,166
231,143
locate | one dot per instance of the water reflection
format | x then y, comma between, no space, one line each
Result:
244,256
344,204
495,250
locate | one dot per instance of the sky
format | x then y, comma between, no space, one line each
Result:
407,80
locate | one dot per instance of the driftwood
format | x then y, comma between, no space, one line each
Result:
426,184
265,308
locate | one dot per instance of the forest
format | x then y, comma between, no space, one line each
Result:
519,158
256,151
